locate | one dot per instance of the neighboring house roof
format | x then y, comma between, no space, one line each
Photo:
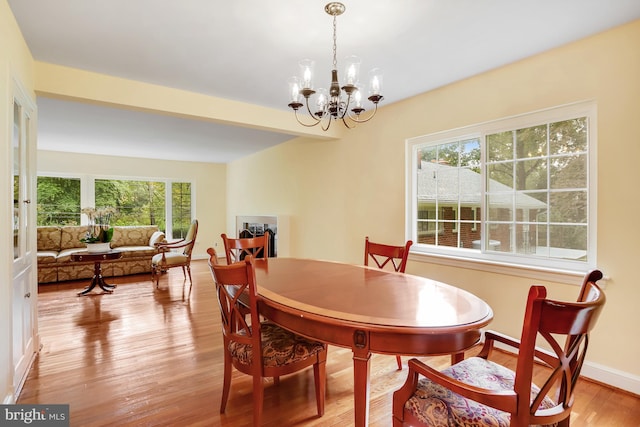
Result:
455,185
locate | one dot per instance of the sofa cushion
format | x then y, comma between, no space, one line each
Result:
71,235
47,257
137,251
134,235
49,238
65,255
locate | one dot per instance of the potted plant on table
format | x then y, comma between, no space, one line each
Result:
99,232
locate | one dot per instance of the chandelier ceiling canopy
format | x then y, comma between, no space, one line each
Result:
341,102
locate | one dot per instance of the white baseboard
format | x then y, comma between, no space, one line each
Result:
9,399
613,377
600,373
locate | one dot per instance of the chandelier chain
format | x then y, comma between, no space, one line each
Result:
335,49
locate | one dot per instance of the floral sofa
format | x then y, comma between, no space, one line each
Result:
56,244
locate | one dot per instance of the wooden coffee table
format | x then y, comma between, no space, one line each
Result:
97,258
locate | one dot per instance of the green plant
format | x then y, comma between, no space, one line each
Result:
99,230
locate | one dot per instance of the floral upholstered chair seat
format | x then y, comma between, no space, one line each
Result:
279,347
438,406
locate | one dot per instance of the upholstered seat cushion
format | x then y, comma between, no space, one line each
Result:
136,251
64,256
47,257
279,347
171,258
438,406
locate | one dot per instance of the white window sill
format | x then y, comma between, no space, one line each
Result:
538,274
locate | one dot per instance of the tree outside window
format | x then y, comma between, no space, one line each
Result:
58,201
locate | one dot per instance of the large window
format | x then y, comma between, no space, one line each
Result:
137,202
180,208
164,203
518,190
58,201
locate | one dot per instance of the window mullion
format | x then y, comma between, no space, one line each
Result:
168,206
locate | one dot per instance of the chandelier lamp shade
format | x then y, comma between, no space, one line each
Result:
339,102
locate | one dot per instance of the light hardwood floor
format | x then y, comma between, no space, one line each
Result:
147,357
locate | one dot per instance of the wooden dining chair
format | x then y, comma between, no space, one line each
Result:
237,249
382,255
167,256
259,348
387,256
478,392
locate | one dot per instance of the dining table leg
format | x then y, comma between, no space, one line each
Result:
457,358
361,368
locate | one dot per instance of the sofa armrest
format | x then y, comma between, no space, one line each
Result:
157,237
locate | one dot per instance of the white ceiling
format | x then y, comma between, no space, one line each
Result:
246,51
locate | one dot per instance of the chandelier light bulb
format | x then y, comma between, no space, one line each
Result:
358,98
321,101
294,89
375,82
306,73
351,76
375,85
307,78
352,70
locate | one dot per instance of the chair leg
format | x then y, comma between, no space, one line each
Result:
320,379
189,272
258,400
226,382
399,360
154,275
190,288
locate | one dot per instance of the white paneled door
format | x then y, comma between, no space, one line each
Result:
25,287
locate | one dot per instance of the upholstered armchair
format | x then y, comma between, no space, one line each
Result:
175,254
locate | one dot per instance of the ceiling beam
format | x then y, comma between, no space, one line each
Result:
56,81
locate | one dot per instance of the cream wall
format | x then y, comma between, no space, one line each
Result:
209,181
337,192
15,63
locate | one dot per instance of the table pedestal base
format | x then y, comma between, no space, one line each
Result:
97,280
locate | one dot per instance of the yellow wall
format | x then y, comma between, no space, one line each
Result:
15,63
337,192
209,184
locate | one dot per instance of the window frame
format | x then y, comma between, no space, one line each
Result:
511,263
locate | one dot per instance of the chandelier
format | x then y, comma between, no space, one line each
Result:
335,105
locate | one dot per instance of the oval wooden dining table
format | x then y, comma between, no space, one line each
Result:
370,311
